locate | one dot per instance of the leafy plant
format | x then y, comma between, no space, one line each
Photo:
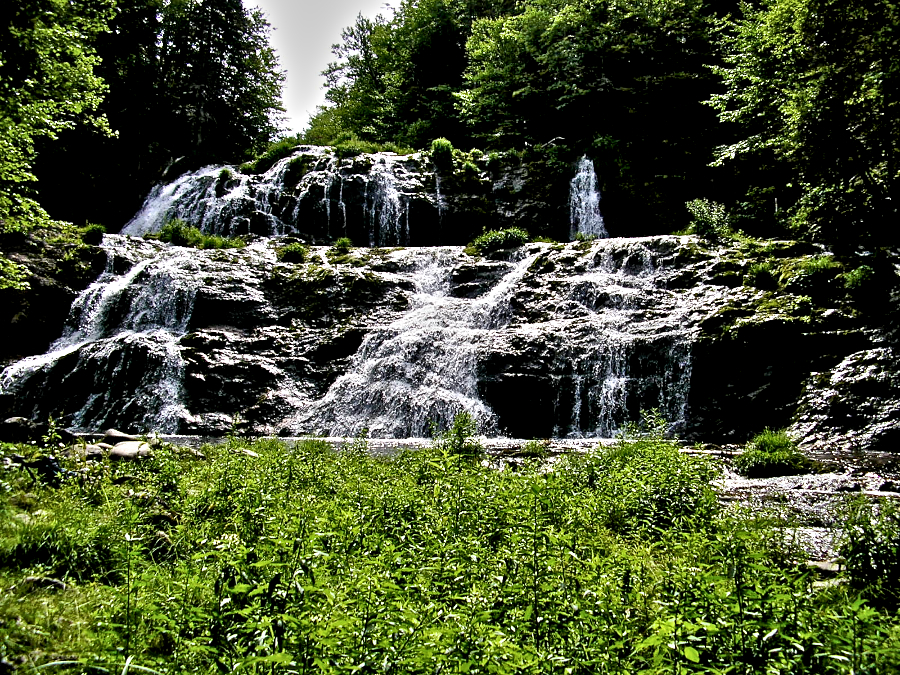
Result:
459,439
179,233
276,151
13,275
870,548
494,240
294,252
93,234
761,275
442,153
772,453
343,245
708,219
859,278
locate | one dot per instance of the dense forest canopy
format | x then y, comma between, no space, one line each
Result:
168,84
783,111
793,102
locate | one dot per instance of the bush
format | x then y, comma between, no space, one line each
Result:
460,439
293,253
859,279
442,153
353,147
277,150
343,245
179,233
772,453
708,219
762,276
93,234
870,547
644,482
494,240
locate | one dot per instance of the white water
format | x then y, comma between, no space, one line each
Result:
421,368
145,309
584,203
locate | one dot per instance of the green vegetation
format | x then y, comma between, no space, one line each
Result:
494,240
708,219
871,550
293,253
182,84
92,234
772,453
277,150
12,275
343,245
179,233
300,558
442,153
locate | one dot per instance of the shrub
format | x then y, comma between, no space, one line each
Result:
772,453
93,234
859,279
762,276
354,146
343,245
293,253
870,547
442,153
276,150
708,219
644,482
179,233
494,240
460,439
225,174
13,275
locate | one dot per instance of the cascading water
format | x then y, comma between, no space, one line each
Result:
313,192
387,216
422,368
584,203
119,323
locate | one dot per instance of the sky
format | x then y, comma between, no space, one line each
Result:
303,35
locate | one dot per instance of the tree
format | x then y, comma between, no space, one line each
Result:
191,82
812,86
48,84
622,81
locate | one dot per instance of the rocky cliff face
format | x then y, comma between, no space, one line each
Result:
376,200
544,340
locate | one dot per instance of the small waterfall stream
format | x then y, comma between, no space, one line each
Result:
120,322
420,369
584,203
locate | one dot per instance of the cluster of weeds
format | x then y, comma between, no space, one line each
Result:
297,558
179,233
277,150
495,240
772,453
92,234
294,252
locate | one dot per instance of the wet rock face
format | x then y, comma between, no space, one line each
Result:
380,199
545,340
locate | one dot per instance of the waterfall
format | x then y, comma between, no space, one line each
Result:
584,203
387,215
118,352
421,368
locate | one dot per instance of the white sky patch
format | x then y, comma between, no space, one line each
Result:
303,35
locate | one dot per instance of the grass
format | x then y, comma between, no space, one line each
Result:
772,453
294,252
495,240
303,559
177,232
